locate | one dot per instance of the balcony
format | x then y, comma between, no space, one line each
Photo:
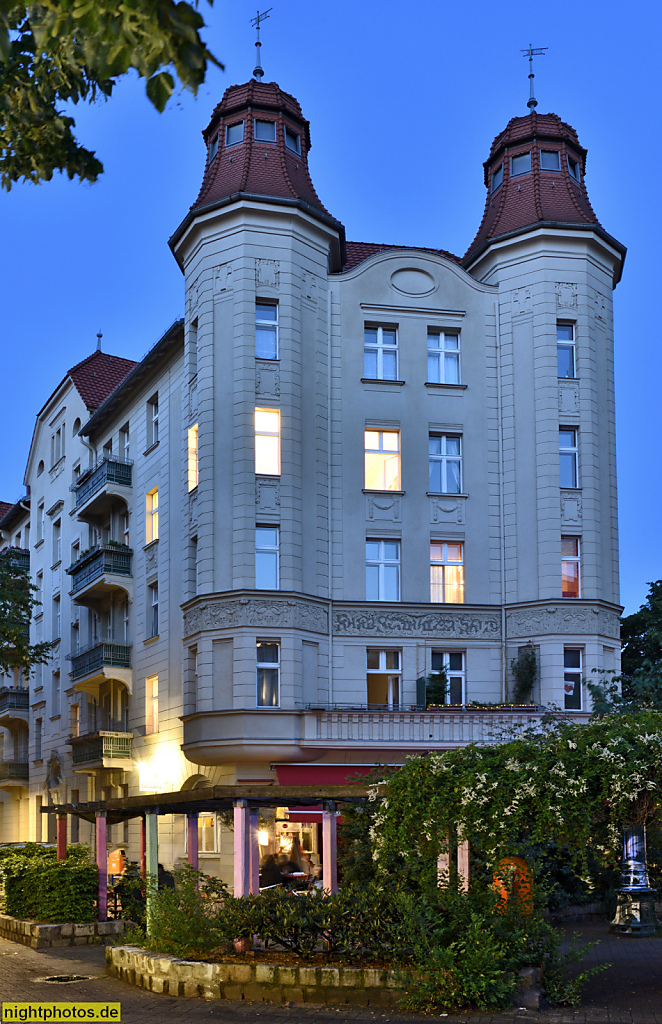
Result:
14,705
306,734
99,486
19,557
102,750
100,572
100,660
14,774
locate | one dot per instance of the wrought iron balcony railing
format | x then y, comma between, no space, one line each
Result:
12,699
14,771
104,558
20,557
106,471
93,657
101,746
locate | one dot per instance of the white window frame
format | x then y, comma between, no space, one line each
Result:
569,455
192,461
228,129
202,852
460,674
262,454
151,705
568,677
388,455
124,445
152,515
563,343
379,348
438,352
381,563
263,548
263,325
439,591
266,666
557,154
443,458
572,560
153,610
516,156
153,420
57,617
394,682
262,120
289,134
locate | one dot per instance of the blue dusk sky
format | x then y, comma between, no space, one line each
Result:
404,100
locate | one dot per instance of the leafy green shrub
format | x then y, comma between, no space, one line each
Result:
185,920
39,887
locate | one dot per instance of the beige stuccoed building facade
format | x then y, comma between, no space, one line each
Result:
348,466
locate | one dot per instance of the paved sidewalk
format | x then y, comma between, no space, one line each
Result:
630,992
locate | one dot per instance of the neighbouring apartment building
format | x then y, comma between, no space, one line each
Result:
348,466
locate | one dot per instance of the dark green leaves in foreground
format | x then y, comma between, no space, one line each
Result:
72,50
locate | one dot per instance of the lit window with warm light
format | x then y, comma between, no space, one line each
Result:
382,460
446,572
193,457
152,516
267,442
151,705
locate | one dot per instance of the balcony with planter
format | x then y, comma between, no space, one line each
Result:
14,705
103,749
14,774
98,661
98,489
101,572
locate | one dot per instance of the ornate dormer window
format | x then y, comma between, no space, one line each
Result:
234,134
520,164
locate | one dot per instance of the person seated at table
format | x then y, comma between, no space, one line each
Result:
166,878
317,881
270,873
287,866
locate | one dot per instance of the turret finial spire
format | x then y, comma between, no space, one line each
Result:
258,72
531,53
99,337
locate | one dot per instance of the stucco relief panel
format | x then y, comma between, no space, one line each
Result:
267,494
446,624
555,619
151,558
447,510
383,507
521,301
566,294
571,508
568,398
264,613
223,278
267,380
267,273
600,303
309,286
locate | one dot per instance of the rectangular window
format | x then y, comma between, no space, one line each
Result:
380,353
573,167
151,705
383,678
497,177
40,521
445,455
193,348
57,445
382,570
57,618
452,665
267,442
153,420
38,732
382,460
443,358
213,148
125,622
193,457
55,694
568,468
266,330
572,678
234,133
124,527
570,567
125,447
292,140
446,572
265,131
266,557
565,350
520,164
207,831
152,516
550,160
57,541
153,608
268,674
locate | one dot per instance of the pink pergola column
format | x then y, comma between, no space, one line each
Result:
329,848
241,848
61,837
102,864
254,852
192,828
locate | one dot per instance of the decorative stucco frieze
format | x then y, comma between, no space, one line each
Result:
447,510
383,507
521,301
566,294
560,619
569,398
267,273
223,278
571,507
451,623
263,613
267,380
267,494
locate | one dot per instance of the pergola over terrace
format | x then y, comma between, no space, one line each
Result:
244,800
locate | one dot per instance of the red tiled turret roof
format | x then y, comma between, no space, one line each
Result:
357,252
97,376
538,196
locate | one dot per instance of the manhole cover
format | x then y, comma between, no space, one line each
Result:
65,979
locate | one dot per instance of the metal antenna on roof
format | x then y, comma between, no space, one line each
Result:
258,72
531,53
99,337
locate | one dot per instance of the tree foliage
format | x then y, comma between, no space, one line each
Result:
17,602
60,51
641,633
525,672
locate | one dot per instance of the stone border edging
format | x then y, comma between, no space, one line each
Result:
45,936
269,983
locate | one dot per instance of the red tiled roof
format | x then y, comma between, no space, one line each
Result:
5,507
97,376
254,167
537,196
357,252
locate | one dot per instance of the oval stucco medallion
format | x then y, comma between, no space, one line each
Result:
411,281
